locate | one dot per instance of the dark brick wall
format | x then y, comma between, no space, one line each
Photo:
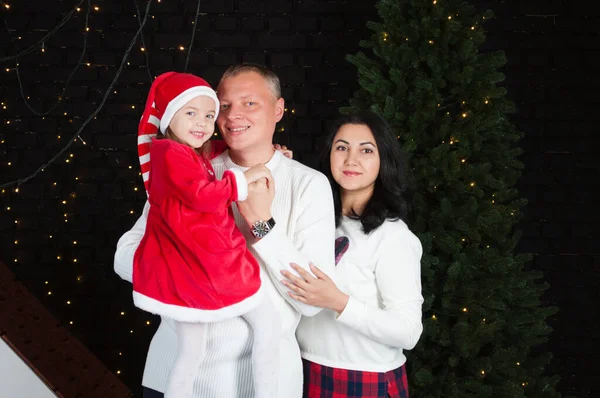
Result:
552,49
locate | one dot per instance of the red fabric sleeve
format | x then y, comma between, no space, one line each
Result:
189,181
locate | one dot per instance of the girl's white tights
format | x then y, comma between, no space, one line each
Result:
191,350
265,322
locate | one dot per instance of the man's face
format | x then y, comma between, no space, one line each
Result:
249,111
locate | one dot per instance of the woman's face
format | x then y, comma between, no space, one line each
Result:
354,158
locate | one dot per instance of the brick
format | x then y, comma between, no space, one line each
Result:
23,141
226,23
310,58
253,23
291,75
332,24
225,58
202,24
162,59
282,59
214,40
210,6
309,93
308,126
274,41
306,24
255,57
173,23
281,24
265,7
105,141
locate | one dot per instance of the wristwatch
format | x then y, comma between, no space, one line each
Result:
260,229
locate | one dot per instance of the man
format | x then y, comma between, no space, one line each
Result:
300,204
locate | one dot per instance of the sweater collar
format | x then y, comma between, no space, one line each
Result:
271,164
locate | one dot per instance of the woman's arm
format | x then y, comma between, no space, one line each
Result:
398,278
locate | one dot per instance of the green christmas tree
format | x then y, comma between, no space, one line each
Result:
483,315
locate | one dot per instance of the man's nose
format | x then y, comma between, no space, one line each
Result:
233,112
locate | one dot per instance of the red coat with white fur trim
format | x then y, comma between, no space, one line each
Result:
192,264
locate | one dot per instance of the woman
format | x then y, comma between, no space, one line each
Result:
354,348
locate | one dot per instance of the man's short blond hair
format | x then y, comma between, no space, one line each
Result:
270,77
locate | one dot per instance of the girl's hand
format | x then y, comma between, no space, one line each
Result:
288,153
319,292
257,172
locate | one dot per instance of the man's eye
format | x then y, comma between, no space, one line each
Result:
224,106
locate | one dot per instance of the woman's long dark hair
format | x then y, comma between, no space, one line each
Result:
392,194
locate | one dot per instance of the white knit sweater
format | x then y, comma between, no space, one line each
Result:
381,272
303,211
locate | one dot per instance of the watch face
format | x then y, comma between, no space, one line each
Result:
260,229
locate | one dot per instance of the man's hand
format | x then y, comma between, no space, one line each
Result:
258,204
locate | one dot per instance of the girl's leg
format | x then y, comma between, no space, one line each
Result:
266,326
191,350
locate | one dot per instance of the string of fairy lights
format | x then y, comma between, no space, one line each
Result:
68,156
68,159
41,47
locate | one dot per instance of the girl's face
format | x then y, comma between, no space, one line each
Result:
194,123
354,158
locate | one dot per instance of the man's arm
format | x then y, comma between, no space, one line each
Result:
128,244
313,240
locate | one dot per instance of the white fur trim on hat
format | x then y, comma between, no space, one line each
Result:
178,102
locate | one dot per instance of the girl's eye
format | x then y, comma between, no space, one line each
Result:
191,113
211,116
251,103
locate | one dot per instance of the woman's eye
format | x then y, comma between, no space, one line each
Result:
367,150
340,148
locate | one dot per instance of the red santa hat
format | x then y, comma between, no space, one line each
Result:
168,94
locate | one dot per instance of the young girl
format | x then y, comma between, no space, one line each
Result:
354,347
192,264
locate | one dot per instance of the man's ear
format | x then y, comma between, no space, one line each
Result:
279,108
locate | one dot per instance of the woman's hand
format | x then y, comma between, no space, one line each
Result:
288,153
319,292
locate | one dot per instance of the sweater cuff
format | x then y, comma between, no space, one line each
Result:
270,241
353,313
241,184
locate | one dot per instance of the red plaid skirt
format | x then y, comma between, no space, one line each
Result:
325,382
